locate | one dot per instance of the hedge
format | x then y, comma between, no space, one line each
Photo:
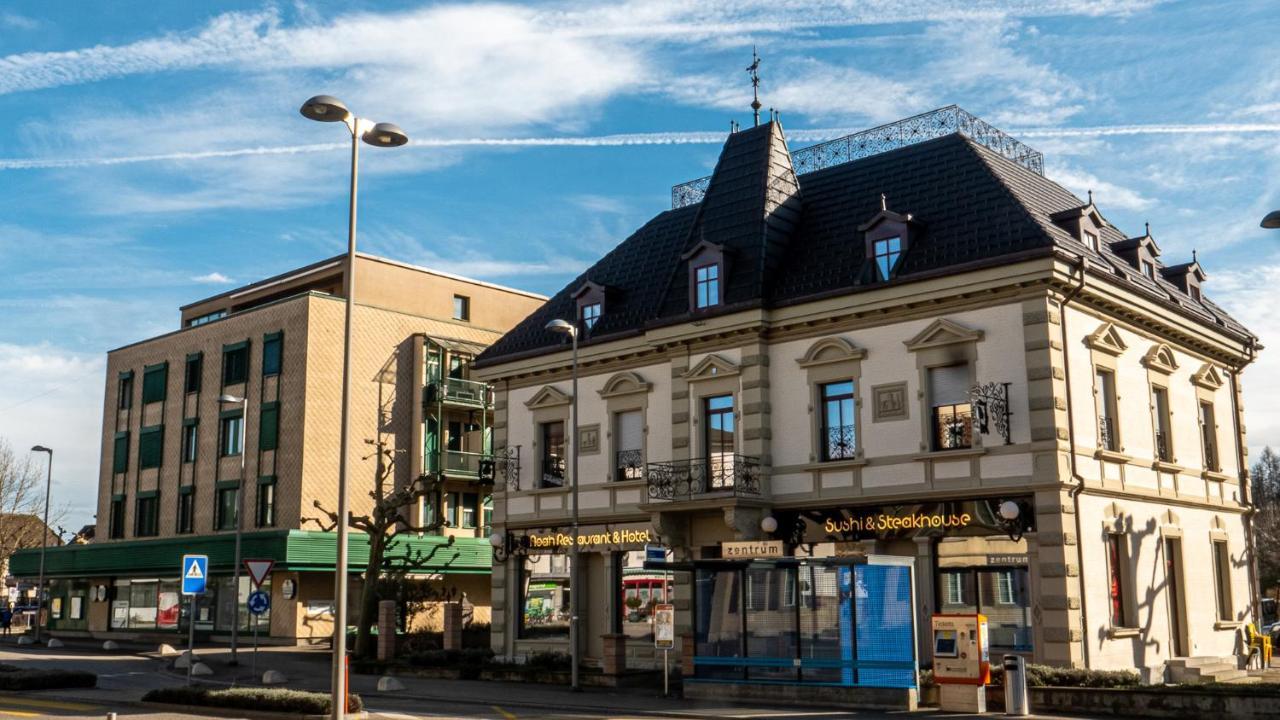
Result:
268,699
1049,676
16,678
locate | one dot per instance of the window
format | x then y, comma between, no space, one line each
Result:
1117,585
235,363
147,524
839,438
486,515
1108,438
1005,593
190,439
272,348
457,367
195,367
553,454
229,437
952,415
706,286
150,447
125,393
269,426
590,314
208,318
953,588
461,307
1091,240
266,513
1209,436
470,509
886,253
719,441
1164,438
117,517
1222,579
628,433
186,508
228,494
1194,290
154,379
120,453
1149,269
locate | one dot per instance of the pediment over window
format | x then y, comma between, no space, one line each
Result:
625,383
711,366
1116,519
1107,339
547,397
705,247
943,332
1081,221
831,350
1160,357
1208,377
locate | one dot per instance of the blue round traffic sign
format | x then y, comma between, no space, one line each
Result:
259,602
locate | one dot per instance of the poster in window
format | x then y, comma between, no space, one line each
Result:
56,608
167,613
119,614
77,607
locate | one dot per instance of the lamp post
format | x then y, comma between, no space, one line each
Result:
325,108
44,537
1272,220
567,328
243,402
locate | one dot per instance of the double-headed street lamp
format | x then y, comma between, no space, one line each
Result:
325,108
243,402
567,328
44,537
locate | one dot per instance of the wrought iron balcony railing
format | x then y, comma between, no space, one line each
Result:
953,427
1107,433
456,391
552,471
628,465
686,479
841,443
1210,454
1163,453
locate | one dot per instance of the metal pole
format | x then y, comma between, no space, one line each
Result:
340,567
574,569
191,636
255,646
44,546
666,673
235,571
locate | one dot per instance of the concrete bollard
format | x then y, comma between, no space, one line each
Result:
183,661
386,683
26,640
453,626
53,643
111,645
274,677
201,669
166,650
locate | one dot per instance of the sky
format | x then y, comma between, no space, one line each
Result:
154,153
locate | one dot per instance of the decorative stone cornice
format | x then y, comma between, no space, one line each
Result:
830,350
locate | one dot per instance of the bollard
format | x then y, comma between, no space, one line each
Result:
111,716
1015,686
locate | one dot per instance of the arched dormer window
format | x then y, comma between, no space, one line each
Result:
707,271
887,236
591,300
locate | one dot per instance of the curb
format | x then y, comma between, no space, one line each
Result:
204,710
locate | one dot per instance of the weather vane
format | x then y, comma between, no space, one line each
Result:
754,69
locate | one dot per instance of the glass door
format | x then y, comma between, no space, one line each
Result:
719,441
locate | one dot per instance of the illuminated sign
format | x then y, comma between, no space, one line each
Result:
751,549
591,539
888,522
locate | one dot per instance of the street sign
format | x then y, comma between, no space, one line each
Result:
258,602
664,626
258,570
655,553
195,574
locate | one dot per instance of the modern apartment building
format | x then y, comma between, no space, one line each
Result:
908,352
180,468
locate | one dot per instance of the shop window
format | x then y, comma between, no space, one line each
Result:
186,509
190,439
150,447
143,605
839,432
154,380
1209,436
168,605
1117,581
124,397
227,509
952,415
116,523
269,426
120,453
235,363
1222,579
195,368
1164,438
229,440
272,352
266,506
628,440
706,286
1108,436
544,597
552,437
148,515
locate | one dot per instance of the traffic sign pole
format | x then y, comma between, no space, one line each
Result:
195,577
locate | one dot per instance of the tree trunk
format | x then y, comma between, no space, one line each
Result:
369,596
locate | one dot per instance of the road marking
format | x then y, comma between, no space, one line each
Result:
47,704
16,713
506,715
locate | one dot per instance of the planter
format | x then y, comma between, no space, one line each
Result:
218,712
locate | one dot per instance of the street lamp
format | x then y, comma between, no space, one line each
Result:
325,108
44,537
1272,220
567,328
243,402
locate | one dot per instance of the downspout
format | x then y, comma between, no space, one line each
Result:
1242,473
1071,446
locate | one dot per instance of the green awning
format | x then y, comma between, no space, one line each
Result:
296,550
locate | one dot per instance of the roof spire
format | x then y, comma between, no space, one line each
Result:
754,69
1147,225
1194,259
1090,196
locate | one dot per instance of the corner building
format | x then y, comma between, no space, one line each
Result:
171,480
915,353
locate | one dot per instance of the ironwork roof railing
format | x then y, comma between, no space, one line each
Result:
901,133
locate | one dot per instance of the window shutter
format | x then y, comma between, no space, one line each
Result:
269,426
154,380
120,455
150,447
949,385
272,345
630,430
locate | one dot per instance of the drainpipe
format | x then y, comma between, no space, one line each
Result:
1071,443
1242,473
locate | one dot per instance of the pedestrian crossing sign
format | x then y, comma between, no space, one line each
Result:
195,574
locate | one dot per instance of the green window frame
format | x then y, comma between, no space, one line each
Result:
235,363
272,353
151,447
115,527
124,393
266,505
190,439
155,379
269,426
194,372
229,433
227,506
120,453
186,509
147,520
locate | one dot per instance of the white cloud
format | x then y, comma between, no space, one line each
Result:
1252,296
1106,194
213,278
461,259
18,22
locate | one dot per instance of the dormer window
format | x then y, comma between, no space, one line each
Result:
591,300
1195,293
706,281
590,314
1091,239
1149,269
886,252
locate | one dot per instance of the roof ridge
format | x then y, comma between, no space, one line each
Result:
982,153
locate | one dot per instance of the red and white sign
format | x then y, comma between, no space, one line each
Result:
258,570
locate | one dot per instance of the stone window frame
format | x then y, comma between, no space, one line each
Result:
1161,364
1208,381
829,360
711,377
1106,346
549,404
1118,523
626,391
1171,529
943,343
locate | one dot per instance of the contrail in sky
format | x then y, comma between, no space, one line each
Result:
659,138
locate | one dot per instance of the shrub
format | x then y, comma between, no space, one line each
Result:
450,658
550,660
475,635
16,678
268,699
1047,676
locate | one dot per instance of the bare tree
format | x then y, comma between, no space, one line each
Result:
21,504
1266,523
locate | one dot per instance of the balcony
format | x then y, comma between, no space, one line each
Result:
736,475
456,391
1107,433
1163,453
500,468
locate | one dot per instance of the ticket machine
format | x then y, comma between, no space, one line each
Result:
961,662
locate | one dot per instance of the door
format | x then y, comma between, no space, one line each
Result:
1173,578
719,441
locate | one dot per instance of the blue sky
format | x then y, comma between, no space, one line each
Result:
155,155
